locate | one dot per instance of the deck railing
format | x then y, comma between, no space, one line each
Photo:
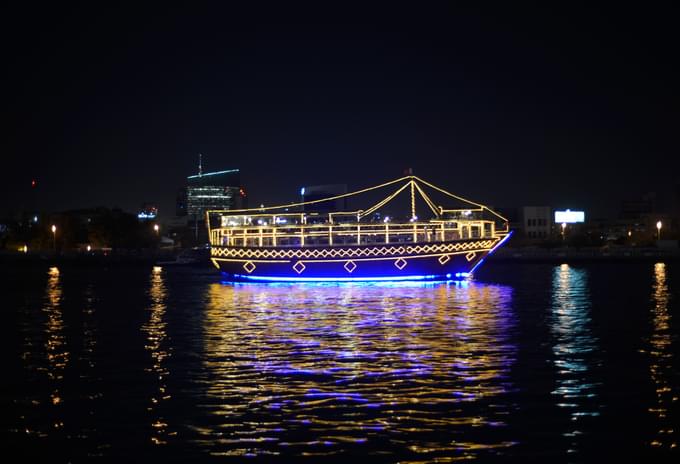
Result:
311,235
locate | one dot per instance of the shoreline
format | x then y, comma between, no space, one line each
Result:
584,254
169,258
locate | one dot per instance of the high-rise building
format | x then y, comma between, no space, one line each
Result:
213,190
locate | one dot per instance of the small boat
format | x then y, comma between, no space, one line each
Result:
313,241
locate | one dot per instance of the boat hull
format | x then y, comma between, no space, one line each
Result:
420,261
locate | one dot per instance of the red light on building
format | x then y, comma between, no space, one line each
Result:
242,192
34,183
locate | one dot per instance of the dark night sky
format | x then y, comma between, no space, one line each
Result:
564,107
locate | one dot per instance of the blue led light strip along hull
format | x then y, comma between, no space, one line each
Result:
479,263
254,278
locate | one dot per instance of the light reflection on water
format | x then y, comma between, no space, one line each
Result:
574,349
55,346
157,344
661,361
417,370
46,357
393,371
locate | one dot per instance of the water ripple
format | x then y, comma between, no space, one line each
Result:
575,350
324,370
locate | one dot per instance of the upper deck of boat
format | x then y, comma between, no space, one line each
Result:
298,225
300,230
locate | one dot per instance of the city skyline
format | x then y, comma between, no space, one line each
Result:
568,108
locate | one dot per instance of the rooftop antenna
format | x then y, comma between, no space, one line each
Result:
200,164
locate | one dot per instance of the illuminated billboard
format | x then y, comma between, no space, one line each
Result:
569,217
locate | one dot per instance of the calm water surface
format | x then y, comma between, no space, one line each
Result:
530,362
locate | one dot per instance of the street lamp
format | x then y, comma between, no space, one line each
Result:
156,228
564,227
54,237
658,230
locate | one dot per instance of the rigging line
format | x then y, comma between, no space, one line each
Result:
429,202
413,200
461,198
383,202
291,205
449,193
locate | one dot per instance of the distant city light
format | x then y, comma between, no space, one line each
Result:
387,219
35,218
54,228
145,215
569,216
658,230
302,191
89,248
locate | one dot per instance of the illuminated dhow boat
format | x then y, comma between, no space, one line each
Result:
314,241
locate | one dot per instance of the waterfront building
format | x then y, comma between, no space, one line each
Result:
536,221
207,191
213,190
210,190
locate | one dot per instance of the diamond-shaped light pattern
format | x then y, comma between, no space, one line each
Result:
348,253
299,267
350,266
400,263
470,256
443,259
249,266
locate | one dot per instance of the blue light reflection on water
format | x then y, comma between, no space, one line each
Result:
324,368
575,350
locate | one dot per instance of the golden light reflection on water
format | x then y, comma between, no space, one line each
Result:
573,349
56,349
321,369
157,345
661,361
45,356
